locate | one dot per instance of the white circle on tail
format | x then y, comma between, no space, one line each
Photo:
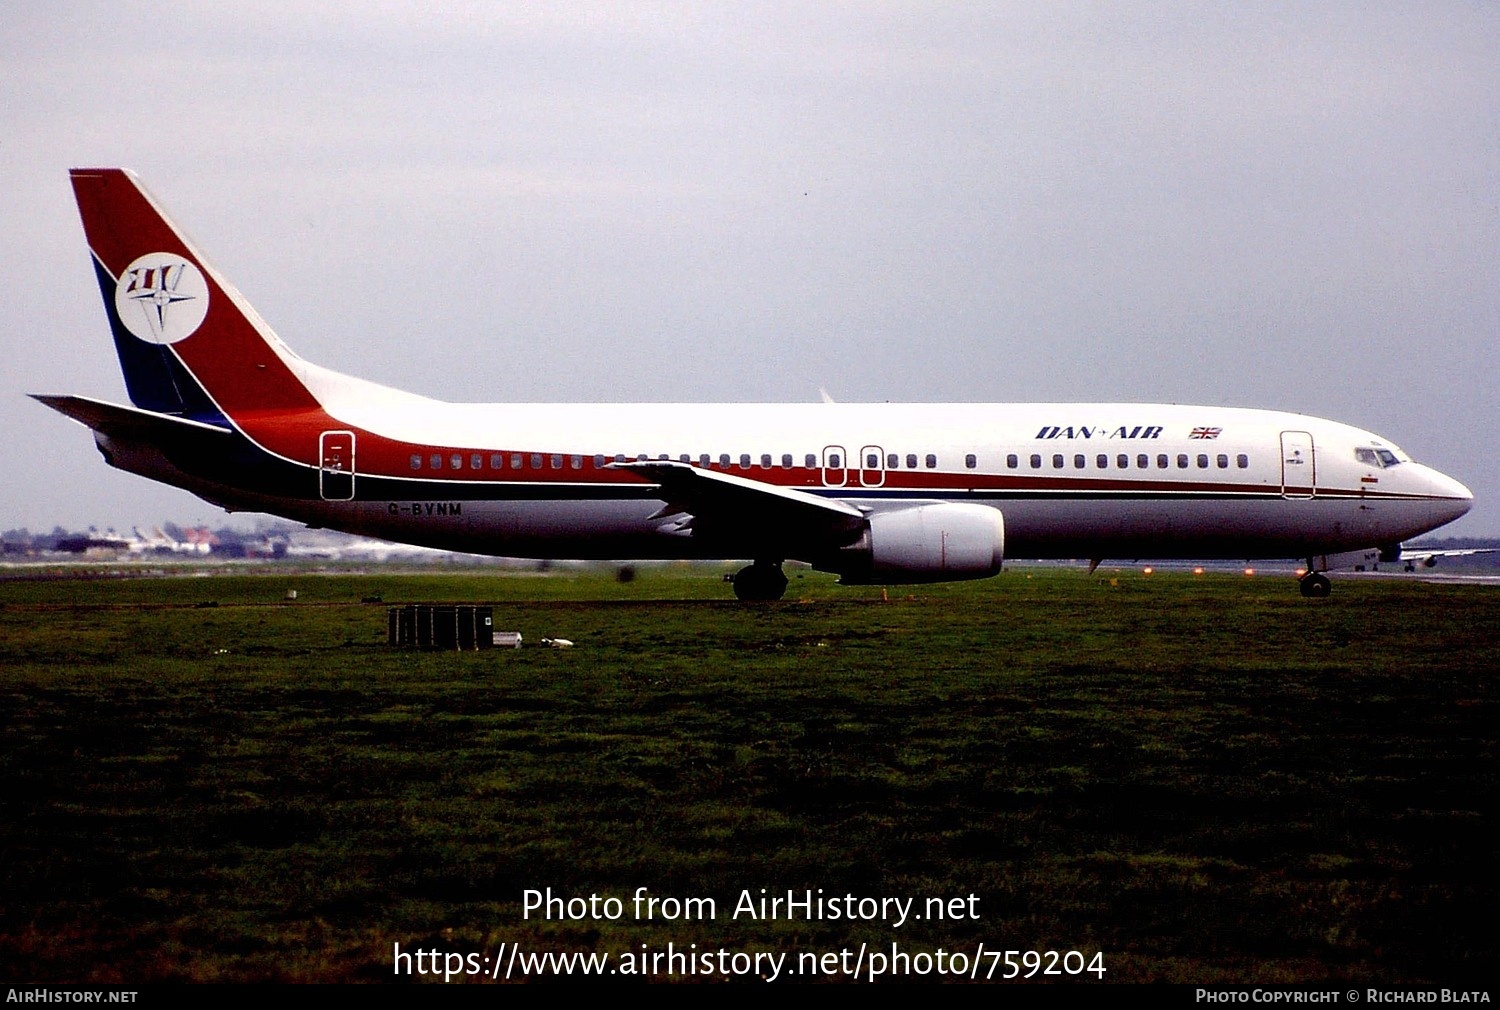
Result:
162,297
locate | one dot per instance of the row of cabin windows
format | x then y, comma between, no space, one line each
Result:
557,461
1122,461
497,461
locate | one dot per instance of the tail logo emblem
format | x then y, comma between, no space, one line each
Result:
162,298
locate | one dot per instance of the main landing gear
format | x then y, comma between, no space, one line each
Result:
760,582
1314,585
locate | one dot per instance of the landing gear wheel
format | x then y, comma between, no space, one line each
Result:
1315,585
760,582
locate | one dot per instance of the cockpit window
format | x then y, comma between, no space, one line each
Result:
1378,458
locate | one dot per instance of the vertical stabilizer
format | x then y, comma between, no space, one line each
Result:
188,342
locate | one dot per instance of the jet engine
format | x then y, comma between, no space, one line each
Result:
928,543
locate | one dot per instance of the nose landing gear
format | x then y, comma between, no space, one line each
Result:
1314,585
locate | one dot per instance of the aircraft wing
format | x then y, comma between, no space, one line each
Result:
129,422
1428,559
723,502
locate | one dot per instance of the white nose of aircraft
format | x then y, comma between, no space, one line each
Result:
1447,498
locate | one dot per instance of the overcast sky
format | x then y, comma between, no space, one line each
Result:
1291,206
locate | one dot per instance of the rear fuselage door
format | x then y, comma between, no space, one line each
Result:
1299,478
336,465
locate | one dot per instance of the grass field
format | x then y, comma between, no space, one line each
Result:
1205,778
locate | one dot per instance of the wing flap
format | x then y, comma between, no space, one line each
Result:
729,506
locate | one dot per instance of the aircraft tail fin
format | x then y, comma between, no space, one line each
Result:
189,344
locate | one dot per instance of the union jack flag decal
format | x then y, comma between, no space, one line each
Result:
1205,433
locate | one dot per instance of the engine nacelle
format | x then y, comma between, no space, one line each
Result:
928,543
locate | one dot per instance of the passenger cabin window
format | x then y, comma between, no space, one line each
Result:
892,461
1182,461
971,461
599,461
1203,461
1057,461
765,460
1242,461
515,461
872,461
786,461
536,461
476,462
1161,461
436,461
1036,461
416,461
1101,461
1078,461
1142,461
744,461
1012,461
1122,461
931,461
497,461
911,461
1223,461
576,462
835,461
810,461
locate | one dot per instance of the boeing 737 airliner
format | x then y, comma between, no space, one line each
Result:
879,493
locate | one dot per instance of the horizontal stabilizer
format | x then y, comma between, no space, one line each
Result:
130,422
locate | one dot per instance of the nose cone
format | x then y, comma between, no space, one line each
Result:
1448,498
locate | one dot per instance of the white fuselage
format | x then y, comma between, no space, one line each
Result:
1068,477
